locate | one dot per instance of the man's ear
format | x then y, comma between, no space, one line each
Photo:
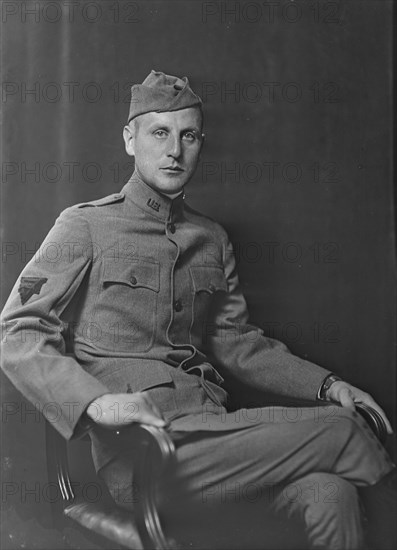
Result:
129,139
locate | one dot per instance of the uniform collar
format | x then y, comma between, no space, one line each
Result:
152,201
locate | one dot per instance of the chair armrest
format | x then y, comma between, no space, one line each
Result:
375,421
156,455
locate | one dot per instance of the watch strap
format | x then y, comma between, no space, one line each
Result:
325,386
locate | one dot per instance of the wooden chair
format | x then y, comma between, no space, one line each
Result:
136,530
142,529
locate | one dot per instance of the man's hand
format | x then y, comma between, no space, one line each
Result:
114,410
347,395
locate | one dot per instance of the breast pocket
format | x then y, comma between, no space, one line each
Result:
126,303
207,282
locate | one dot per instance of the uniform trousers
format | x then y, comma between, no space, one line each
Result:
303,465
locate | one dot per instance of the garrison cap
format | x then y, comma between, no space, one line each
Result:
161,92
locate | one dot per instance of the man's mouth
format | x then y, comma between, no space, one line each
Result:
172,169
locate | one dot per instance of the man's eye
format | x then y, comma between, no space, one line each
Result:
160,133
189,136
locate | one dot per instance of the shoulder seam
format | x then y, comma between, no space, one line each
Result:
109,199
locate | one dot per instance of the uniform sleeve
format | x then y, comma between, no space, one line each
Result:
33,345
241,351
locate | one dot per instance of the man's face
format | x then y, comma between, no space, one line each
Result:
166,147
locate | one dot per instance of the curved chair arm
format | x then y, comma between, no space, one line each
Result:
138,530
375,421
57,463
157,455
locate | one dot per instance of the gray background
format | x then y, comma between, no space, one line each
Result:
301,179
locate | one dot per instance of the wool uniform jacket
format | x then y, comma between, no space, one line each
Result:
137,292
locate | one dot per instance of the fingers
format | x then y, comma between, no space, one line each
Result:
368,400
149,413
348,395
386,420
147,416
117,410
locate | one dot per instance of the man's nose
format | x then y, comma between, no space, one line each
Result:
175,147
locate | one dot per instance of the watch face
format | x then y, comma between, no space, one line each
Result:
374,419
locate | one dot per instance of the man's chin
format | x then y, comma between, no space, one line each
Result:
169,186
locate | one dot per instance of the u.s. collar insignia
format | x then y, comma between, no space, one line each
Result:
153,204
30,286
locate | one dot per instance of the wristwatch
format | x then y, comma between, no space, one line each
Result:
325,386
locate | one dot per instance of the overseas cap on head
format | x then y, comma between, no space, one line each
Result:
161,92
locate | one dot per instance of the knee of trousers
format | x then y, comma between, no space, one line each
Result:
329,508
342,423
354,450
320,491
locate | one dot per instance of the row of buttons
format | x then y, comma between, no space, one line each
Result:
178,306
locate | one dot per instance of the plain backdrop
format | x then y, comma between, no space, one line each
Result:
297,166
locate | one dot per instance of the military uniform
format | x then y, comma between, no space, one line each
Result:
139,292
150,292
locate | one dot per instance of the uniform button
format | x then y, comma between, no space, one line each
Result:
211,287
134,280
172,228
178,306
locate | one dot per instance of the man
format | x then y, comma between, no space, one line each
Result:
159,323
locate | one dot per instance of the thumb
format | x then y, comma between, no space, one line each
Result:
150,414
346,398
148,417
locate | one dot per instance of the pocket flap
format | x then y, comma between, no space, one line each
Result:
132,272
138,376
208,278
